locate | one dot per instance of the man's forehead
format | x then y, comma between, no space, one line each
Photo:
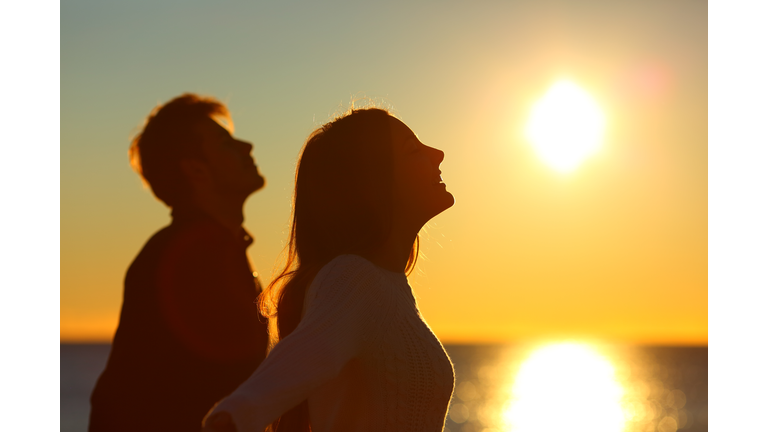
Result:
212,127
225,122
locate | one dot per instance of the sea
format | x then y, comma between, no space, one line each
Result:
544,387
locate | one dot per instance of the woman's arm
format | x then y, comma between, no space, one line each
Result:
219,422
346,307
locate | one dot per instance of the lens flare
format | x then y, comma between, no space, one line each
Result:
566,126
566,387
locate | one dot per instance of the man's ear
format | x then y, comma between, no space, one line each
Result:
196,172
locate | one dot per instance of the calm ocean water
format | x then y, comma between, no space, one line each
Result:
503,388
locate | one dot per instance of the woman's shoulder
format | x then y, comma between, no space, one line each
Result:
353,287
350,261
353,275
349,268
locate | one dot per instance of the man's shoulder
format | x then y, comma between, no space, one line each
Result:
196,235
202,233
192,240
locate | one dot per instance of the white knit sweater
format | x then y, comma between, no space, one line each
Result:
362,356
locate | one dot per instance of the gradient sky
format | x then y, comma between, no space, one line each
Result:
616,250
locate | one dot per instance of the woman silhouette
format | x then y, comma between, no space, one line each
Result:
351,351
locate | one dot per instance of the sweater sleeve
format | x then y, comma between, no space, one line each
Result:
346,307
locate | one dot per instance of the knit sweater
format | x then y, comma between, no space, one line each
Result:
362,356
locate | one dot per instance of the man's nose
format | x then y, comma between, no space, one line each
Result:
246,146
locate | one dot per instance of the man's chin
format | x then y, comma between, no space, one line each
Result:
259,184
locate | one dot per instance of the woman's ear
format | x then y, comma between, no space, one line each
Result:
196,172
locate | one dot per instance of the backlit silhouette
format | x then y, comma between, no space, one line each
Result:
352,352
189,330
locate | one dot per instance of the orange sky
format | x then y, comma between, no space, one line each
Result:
616,250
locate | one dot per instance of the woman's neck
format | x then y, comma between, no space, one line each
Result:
394,253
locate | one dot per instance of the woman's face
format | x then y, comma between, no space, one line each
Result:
419,192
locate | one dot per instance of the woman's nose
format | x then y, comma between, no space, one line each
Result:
438,155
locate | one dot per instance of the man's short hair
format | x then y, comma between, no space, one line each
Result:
170,135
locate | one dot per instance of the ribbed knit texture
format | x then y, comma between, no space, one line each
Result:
362,355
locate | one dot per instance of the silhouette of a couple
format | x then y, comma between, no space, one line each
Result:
348,348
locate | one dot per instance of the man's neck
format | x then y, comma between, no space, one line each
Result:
228,213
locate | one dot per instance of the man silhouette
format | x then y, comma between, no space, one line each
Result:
189,330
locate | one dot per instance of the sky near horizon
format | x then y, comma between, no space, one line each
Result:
615,250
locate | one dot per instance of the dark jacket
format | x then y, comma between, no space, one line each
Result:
189,330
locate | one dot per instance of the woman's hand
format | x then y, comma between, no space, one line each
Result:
219,422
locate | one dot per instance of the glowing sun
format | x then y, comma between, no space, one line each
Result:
566,126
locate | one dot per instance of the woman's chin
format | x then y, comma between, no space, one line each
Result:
446,201
449,201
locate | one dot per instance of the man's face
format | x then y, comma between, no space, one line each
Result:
229,160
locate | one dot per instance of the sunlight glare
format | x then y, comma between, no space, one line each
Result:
566,126
566,387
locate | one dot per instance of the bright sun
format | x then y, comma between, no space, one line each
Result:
566,126
566,387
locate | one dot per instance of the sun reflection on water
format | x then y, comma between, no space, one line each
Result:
573,386
566,386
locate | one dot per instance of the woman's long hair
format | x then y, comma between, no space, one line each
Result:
342,204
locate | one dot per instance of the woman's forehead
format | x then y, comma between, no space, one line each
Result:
399,129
